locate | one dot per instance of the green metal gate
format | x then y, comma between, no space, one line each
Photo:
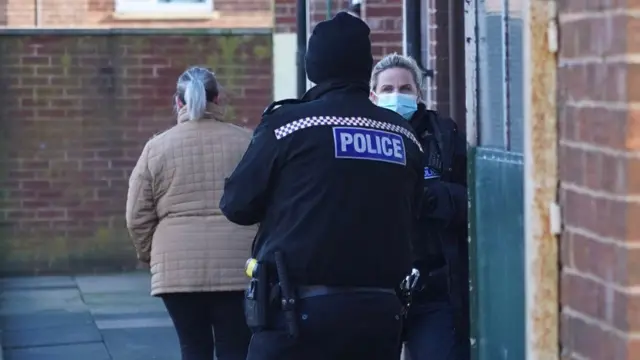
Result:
495,112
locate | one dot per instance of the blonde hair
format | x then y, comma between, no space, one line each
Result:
197,87
393,61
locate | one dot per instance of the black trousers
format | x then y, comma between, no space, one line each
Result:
195,315
431,333
355,326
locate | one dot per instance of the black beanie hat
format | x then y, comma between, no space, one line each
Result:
339,49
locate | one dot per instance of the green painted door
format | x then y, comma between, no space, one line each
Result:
496,179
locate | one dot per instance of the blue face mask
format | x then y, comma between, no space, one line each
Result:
404,104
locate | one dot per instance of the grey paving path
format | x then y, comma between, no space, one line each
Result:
84,318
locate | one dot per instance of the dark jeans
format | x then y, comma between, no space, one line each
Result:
431,333
335,327
194,316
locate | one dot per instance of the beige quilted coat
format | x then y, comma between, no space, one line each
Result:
172,209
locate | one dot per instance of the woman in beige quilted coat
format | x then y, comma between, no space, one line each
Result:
196,255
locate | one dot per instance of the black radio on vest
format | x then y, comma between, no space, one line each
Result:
433,160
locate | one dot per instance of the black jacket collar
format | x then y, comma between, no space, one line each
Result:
335,86
420,121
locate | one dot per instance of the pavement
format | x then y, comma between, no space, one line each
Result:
106,317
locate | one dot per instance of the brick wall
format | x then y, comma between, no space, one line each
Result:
439,37
284,16
319,10
600,180
431,49
385,20
101,14
75,112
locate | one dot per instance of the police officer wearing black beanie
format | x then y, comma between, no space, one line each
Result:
335,183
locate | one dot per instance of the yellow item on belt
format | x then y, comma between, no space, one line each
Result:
250,267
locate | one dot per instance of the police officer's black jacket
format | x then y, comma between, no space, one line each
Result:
311,179
442,234
443,219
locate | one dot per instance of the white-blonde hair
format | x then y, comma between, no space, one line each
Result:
394,61
196,87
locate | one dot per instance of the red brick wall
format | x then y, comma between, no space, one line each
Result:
439,12
101,13
75,112
430,13
318,10
285,16
385,19
600,180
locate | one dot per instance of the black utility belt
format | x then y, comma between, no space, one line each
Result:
263,295
264,300
305,292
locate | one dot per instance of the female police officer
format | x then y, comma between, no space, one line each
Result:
437,320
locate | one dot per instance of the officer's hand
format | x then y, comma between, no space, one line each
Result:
430,195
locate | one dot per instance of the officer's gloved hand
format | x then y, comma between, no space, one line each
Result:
437,203
431,193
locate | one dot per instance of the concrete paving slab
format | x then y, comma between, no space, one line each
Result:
124,316
134,323
33,301
138,282
41,282
50,336
45,319
142,344
138,320
94,351
122,303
